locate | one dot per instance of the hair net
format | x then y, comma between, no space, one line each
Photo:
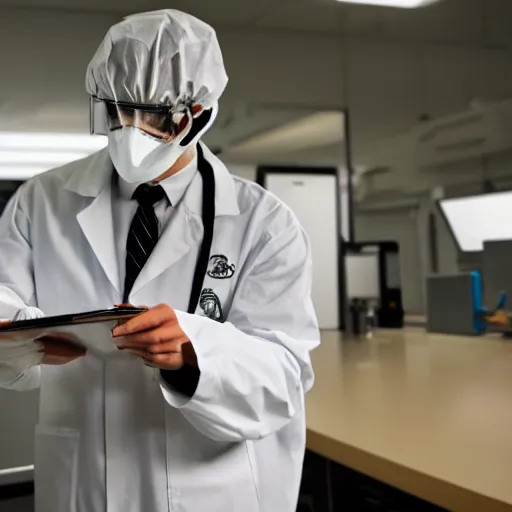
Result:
158,58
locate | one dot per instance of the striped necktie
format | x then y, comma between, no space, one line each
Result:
143,234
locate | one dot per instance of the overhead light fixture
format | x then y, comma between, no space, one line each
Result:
51,141
20,173
405,4
24,155
40,157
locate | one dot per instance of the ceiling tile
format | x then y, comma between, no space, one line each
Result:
304,15
498,14
448,20
225,12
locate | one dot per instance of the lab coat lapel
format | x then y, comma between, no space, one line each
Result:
98,227
94,179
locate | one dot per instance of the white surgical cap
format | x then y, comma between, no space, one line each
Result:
158,58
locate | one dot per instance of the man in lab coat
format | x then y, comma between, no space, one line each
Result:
202,408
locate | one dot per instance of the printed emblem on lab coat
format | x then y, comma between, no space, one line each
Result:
210,305
220,268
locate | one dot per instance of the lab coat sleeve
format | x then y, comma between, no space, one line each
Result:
255,368
17,288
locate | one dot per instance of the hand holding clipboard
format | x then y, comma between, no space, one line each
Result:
64,338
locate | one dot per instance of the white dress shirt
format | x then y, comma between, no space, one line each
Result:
124,207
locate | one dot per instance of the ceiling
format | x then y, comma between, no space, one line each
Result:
450,20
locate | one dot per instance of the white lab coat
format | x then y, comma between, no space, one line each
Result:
111,435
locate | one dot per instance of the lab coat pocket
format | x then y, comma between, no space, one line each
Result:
56,469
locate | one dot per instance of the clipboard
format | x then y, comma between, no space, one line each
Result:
90,330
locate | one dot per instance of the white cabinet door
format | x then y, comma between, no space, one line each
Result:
313,200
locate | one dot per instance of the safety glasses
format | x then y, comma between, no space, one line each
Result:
162,122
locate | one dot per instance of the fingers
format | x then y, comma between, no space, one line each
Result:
171,361
151,319
171,347
159,348
166,333
155,336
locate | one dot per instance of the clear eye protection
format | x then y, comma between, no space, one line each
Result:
161,122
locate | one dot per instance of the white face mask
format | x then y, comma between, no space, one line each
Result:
140,158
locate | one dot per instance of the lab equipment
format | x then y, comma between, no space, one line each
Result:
455,305
389,310
452,303
362,278
496,270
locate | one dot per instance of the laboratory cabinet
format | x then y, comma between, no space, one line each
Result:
330,487
18,497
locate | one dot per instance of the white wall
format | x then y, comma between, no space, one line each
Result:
247,172
43,64
389,86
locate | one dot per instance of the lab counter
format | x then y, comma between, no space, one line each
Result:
427,414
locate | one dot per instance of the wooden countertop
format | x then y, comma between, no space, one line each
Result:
428,414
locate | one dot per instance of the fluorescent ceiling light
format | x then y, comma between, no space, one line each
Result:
21,173
407,4
57,141
39,157
314,131
24,155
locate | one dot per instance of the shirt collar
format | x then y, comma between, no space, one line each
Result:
174,186
89,176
